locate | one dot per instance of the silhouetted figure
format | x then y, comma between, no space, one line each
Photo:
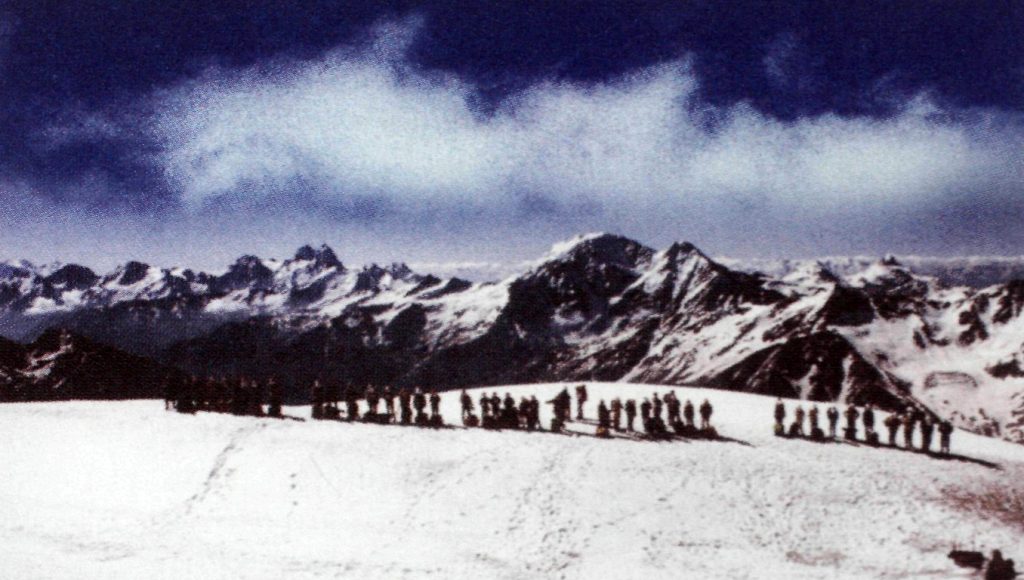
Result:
467,403
705,414
562,405
656,406
485,405
908,430
352,403
332,394
869,419
798,422
851,422
833,419
673,405
170,392
533,417
317,400
604,420
688,413
276,399
435,403
509,413
372,399
927,429
389,402
419,402
405,406
645,414
581,398
630,408
617,414
780,413
892,425
945,431
998,568
495,405
524,412
186,395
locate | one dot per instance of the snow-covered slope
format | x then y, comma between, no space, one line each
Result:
126,490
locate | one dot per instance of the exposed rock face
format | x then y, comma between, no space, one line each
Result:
60,365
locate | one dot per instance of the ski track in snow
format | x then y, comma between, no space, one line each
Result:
220,474
126,490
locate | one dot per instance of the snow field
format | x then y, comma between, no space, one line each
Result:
127,490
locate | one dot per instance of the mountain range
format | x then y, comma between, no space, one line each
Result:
599,306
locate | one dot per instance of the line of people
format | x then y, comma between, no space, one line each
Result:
499,413
242,396
411,406
910,419
238,396
619,416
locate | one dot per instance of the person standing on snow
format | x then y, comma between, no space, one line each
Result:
705,414
581,398
927,428
1000,569
372,399
780,413
276,399
170,392
485,405
908,429
389,402
645,413
945,431
435,403
495,405
799,421
467,404
673,405
533,416
851,422
630,408
833,418
869,419
419,402
688,413
656,406
317,400
562,404
604,420
617,413
892,424
812,415
352,403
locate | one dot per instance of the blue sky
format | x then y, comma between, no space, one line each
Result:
454,131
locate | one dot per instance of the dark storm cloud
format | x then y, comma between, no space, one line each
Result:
823,121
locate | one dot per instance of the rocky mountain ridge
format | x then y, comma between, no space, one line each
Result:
598,307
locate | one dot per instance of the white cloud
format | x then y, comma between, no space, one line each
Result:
363,122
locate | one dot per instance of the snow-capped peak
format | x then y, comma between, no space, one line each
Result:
564,247
811,274
599,248
887,272
323,257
